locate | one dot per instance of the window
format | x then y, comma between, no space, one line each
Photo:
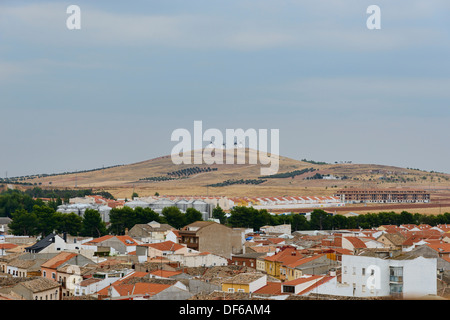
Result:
290,289
53,275
231,290
363,271
241,290
44,273
396,274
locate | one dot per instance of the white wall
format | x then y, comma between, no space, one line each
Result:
198,260
258,284
419,275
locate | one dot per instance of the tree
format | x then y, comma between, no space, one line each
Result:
13,200
120,219
70,223
406,218
144,215
24,223
241,217
248,217
192,215
174,217
299,222
134,195
339,221
92,225
47,219
320,220
218,213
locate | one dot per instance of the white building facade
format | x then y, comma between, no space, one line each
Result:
375,277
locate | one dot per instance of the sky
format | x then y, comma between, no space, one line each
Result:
113,91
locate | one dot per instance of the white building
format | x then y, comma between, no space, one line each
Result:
99,281
375,277
80,208
283,228
198,259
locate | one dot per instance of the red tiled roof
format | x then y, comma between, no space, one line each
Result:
301,280
355,241
316,284
126,240
286,256
7,245
164,246
270,288
101,239
165,273
440,247
58,260
140,288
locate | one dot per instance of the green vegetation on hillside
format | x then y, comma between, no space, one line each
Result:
289,174
241,181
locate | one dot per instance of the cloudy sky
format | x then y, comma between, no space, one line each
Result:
114,91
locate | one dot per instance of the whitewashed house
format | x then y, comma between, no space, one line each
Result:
376,277
99,281
198,259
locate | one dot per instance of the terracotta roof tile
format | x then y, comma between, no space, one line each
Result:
164,246
58,260
165,273
270,288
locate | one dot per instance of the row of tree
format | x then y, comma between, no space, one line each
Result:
43,220
126,217
190,171
249,217
240,181
290,174
13,200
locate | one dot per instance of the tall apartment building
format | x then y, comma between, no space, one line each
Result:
375,195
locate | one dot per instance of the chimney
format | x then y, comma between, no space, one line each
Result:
126,231
65,236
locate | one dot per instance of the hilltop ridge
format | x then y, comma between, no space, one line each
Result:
294,177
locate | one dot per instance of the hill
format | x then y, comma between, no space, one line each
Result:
294,177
